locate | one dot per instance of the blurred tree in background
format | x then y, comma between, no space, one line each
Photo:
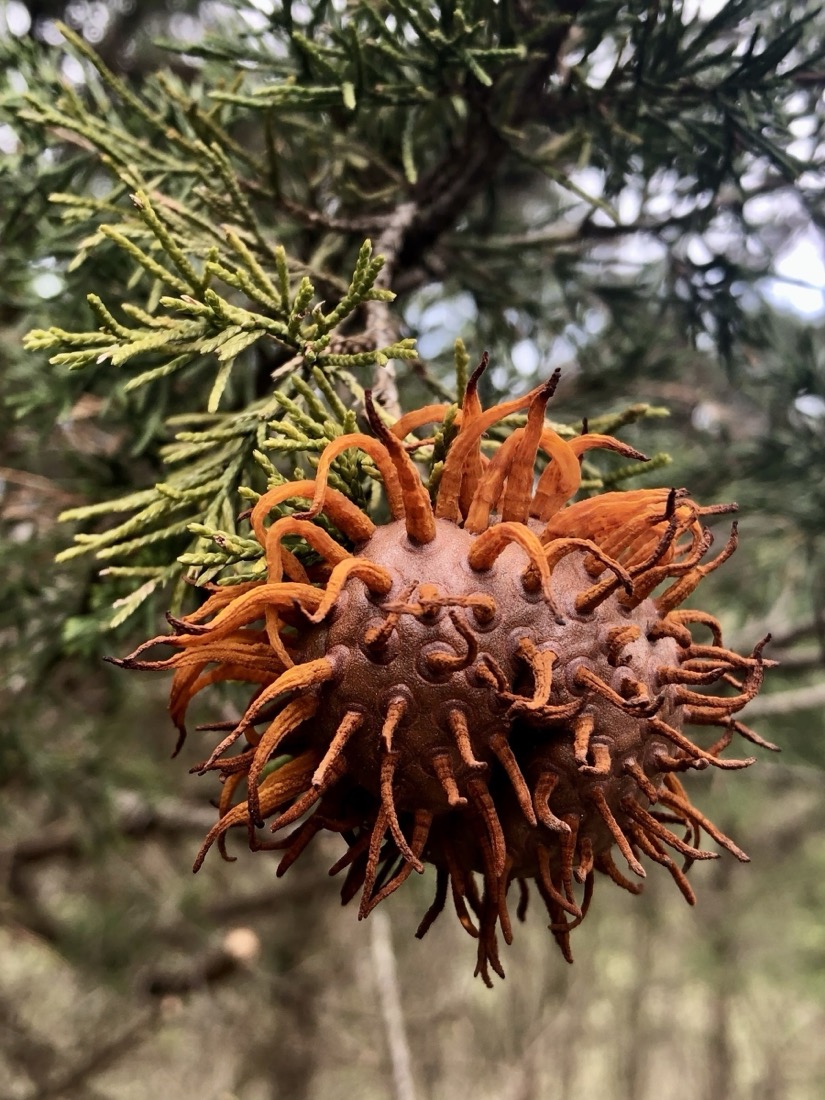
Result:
631,191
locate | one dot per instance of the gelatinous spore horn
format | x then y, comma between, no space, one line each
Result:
495,682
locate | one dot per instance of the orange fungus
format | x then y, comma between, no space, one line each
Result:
496,682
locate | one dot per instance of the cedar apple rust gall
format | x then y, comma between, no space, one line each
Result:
496,682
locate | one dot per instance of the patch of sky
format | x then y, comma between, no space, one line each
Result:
302,14
48,32
9,142
525,356
100,186
798,285
72,70
45,280
810,405
697,251
17,82
706,417
701,9
185,28
500,378
640,249
439,320
48,285
589,179
16,17
562,353
256,20
91,17
629,205
594,321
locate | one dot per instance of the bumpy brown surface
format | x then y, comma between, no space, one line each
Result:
495,683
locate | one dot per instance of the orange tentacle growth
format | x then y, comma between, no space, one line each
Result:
443,662
222,674
418,514
679,592
437,710
559,480
297,678
568,853
412,421
485,807
491,483
461,732
489,545
501,747
650,792
219,597
686,616
377,452
692,750
447,505
389,760
609,516
618,638
602,765
377,835
518,498
546,880
311,674
690,811
350,723
650,825
288,720
545,786
560,548
344,514
541,663
651,847
250,607
586,862
292,567
421,829
443,769
645,584
274,791
376,578
442,883
473,466
604,863
274,624
315,536
597,797
592,441
582,732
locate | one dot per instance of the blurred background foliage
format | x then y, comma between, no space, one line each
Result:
631,191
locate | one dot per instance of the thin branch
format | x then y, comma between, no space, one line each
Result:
134,818
320,219
100,1058
37,483
382,325
235,953
444,193
786,702
383,958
